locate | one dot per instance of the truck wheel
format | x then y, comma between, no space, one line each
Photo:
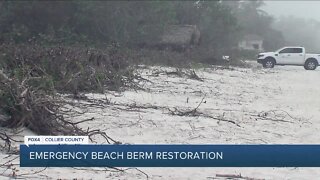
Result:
268,63
311,64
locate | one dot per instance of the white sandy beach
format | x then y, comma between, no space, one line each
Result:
271,106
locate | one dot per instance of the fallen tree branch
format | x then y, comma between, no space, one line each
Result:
191,74
220,119
235,176
275,115
195,112
192,112
39,112
6,139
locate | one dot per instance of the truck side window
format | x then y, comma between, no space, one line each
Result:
291,50
287,50
296,50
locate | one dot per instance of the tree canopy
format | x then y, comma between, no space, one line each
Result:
222,23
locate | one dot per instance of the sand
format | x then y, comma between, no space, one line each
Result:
271,106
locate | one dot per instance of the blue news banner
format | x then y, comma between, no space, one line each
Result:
170,156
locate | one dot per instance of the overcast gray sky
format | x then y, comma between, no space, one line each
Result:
304,9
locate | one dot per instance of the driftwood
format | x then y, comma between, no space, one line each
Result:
4,137
33,108
232,176
275,115
191,74
195,112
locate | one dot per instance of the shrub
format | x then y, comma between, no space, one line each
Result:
68,69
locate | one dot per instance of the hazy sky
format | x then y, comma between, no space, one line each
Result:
304,9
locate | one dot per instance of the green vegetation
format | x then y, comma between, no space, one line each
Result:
129,23
79,46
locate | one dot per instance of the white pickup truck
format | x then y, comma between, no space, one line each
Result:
289,56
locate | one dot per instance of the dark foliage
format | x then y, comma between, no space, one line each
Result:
68,69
